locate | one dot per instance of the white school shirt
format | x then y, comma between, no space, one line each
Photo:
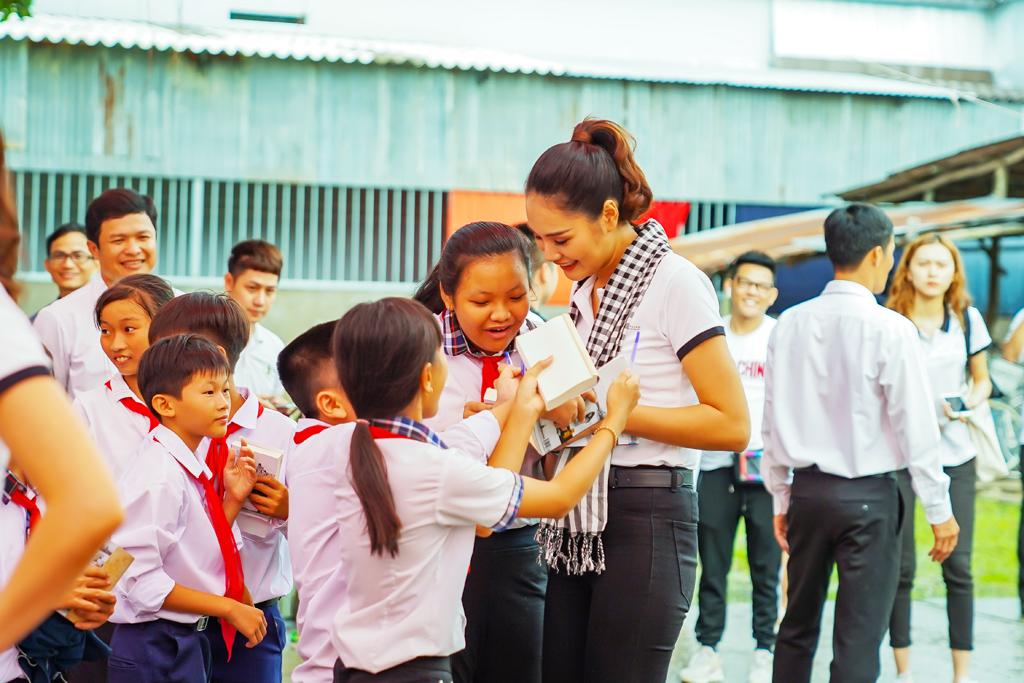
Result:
315,543
946,354
268,571
847,390
749,351
23,355
167,530
68,330
257,366
411,605
679,311
13,521
117,431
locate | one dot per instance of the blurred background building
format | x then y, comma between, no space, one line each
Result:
356,135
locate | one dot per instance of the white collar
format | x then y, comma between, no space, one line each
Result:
173,444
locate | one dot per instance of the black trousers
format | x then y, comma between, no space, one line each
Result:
1020,545
419,670
853,524
94,672
956,569
620,626
722,504
504,604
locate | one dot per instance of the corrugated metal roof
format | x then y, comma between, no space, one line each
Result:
802,233
298,43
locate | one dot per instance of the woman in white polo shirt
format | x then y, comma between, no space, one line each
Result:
930,288
408,506
623,562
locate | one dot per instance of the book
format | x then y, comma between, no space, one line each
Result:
268,462
548,438
115,560
572,371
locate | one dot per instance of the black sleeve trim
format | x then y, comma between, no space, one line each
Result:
698,340
21,375
984,348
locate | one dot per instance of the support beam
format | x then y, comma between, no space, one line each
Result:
995,274
944,179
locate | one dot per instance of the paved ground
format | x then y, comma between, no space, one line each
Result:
998,656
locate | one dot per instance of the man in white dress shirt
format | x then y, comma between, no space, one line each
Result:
847,404
254,269
120,226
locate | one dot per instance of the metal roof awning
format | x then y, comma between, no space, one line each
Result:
800,234
960,176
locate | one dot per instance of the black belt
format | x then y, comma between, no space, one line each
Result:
267,603
880,475
650,477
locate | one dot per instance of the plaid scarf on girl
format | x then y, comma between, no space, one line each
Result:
575,540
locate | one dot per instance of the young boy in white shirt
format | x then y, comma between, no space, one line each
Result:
268,572
254,270
177,528
847,405
727,490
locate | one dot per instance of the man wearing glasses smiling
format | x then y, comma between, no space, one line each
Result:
729,488
68,260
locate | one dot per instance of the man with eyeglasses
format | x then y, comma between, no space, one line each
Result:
68,260
730,488
120,228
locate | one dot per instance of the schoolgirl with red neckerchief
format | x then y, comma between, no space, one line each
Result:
114,413
480,291
408,505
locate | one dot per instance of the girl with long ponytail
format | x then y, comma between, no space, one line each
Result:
408,505
624,561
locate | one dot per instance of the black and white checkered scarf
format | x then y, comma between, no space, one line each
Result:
575,540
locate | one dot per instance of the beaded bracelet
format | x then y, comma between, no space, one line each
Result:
615,434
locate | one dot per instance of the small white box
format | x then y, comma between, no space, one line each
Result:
268,462
572,371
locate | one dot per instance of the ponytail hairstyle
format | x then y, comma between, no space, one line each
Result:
467,244
380,350
596,165
148,291
10,238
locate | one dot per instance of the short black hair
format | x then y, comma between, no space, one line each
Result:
306,367
258,255
65,229
852,231
171,363
214,316
754,258
113,204
147,290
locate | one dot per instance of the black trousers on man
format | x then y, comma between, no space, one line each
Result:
853,524
722,504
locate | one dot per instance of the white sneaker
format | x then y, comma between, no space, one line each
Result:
906,677
761,667
704,667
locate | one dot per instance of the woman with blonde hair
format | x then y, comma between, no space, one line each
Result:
930,288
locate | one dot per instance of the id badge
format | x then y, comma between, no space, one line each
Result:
748,466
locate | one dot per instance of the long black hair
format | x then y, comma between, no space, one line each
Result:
468,243
380,350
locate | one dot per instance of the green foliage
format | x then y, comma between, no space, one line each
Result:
9,8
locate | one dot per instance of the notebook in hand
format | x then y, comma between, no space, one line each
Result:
115,560
572,371
268,461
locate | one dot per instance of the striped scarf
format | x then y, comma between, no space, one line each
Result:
575,540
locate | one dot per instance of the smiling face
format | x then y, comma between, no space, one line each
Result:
254,291
573,242
69,262
753,291
932,269
127,245
124,334
492,301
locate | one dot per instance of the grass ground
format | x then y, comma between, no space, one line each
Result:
994,561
